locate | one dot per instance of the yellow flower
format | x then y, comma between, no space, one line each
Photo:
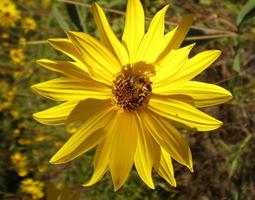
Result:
9,14
28,24
41,137
17,56
19,159
22,42
15,114
23,141
129,94
5,36
22,172
16,132
33,188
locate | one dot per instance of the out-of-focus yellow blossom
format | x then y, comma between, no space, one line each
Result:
46,3
17,56
33,188
19,160
22,172
58,143
28,24
17,75
41,137
6,44
9,14
42,168
8,96
14,114
22,42
23,141
71,128
5,35
16,132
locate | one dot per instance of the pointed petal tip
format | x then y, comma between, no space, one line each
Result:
55,160
151,186
174,184
39,61
95,5
87,184
116,187
52,40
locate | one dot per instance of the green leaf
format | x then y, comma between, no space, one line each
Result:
246,12
237,63
233,167
73,14
60,19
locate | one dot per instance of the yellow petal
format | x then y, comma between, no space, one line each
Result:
168,137
88,136
65,89
134,27
196,65
102,64
167,38
175,38
165,168
101,160
100,164
56,115
152,42
107,36
84,109
183,113
202,94
170,65
71,69
65,46
144,155
123,147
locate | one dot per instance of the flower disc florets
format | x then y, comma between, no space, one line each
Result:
131,91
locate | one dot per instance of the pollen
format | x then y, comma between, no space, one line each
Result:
131,91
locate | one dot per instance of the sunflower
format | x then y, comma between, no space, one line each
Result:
129,95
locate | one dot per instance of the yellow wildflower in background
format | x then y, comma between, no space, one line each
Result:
22,42
33,188
5,35
28,24
130,93
9,14
17,56
20,162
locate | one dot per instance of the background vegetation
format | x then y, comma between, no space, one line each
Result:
224,160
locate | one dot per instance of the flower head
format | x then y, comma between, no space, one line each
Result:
129,93
33,188
9,14
28,24
17,56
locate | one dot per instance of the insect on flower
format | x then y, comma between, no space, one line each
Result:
128,93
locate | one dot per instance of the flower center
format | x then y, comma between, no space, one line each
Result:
131,91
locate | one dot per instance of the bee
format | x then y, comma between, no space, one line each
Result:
140,83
